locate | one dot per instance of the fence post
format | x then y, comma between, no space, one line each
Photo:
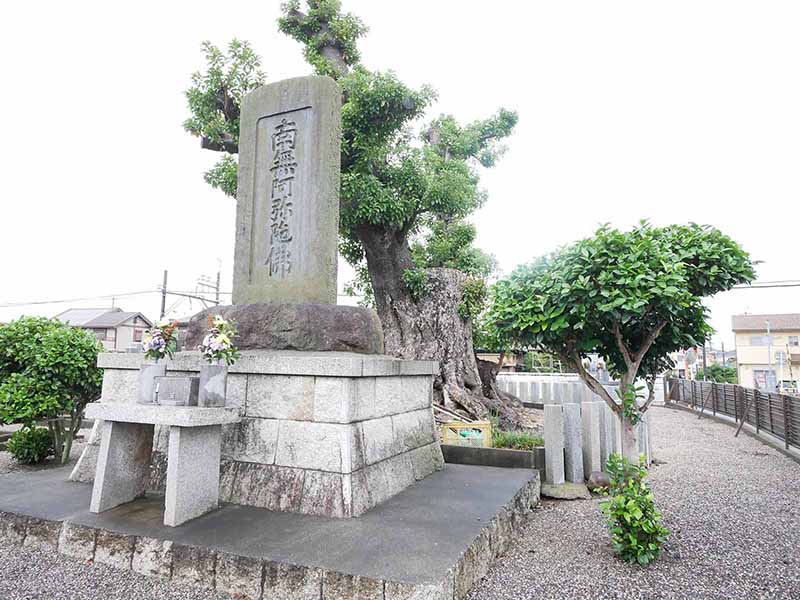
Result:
769,404
714,398
786,423
757,419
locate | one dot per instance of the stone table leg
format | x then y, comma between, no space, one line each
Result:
123,464
192,473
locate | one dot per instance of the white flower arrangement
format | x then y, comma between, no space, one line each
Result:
159,341
218,342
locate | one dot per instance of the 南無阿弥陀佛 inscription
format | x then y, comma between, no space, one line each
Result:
288,194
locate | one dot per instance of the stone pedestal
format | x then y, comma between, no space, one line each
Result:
325,433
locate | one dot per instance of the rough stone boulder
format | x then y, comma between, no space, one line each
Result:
566,491
284,326
598,480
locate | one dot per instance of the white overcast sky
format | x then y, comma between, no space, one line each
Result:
671,111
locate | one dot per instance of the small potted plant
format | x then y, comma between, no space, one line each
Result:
219,352
158,342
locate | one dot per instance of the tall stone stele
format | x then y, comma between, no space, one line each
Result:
329,425
287,211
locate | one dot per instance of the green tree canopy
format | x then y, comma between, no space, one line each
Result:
631,296
47,370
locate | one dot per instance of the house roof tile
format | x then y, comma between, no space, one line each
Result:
785,322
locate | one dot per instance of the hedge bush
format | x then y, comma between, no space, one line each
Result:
31,445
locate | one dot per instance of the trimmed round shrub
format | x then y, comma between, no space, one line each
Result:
31,445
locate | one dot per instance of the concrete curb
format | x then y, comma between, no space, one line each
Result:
259,579
505,458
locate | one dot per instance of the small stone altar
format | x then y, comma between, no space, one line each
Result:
193,456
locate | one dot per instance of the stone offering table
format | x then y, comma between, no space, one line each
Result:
193,456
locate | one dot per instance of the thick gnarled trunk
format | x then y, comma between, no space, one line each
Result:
430,328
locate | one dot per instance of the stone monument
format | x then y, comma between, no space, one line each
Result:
287,209
329,425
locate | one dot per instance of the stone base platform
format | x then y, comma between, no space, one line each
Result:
432,541
321,433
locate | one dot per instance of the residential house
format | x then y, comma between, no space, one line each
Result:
768,350
116,329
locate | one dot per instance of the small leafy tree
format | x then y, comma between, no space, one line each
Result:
632,297
48,372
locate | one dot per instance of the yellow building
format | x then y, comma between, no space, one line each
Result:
768,350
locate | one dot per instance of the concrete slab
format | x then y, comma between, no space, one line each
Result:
418,537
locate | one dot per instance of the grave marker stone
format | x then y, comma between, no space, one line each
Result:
287,208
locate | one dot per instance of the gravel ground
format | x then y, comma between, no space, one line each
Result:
34,574
733,505
8,464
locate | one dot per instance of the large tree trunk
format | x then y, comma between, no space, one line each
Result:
430,328
507,406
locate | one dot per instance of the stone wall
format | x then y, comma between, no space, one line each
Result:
329,434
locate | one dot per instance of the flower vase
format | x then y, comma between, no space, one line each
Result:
213,385
147,381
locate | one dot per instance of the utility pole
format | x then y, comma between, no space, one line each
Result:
164,296
216,295
770,376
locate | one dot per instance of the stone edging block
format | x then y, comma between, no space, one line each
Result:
258,579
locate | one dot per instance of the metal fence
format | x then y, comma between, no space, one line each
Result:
776,414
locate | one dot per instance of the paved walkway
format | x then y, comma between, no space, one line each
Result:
733,505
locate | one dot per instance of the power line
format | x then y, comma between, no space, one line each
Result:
768,284
36,302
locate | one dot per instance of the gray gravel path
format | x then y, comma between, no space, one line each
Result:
35,574
733,505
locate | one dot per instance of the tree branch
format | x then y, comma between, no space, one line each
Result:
651,385
574,358
648,342
226,146
626,355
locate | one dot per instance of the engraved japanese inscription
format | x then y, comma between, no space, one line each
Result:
283,170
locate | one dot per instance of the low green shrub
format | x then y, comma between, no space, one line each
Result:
517,440
634,522
31,445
